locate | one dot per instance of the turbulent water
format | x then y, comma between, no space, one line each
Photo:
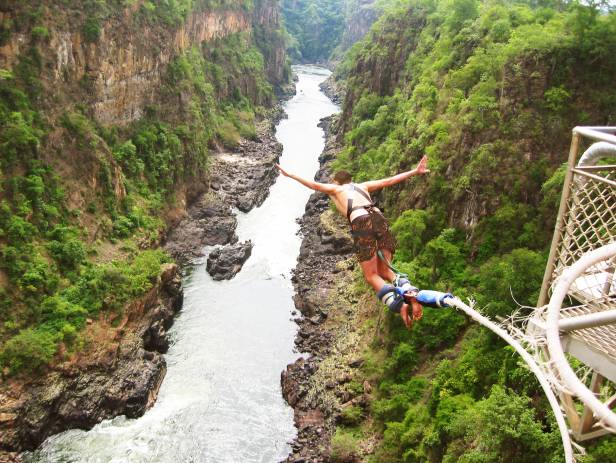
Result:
221,399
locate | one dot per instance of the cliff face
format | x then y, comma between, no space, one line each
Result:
115,76
124,68
110,114
269,37
360,15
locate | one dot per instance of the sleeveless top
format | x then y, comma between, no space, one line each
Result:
351,208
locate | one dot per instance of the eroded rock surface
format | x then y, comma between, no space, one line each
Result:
239,179
210,222
119,374
225,262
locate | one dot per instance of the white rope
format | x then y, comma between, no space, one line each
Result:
557,355
530,361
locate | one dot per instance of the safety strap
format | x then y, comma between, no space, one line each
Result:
391,267
350,207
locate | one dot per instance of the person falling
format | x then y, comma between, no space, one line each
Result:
371,233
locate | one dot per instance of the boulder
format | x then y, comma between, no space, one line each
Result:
225,262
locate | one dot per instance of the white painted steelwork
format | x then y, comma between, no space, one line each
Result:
532,364
557,355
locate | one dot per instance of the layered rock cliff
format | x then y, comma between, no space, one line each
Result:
111,114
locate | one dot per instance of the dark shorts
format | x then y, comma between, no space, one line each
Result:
371,233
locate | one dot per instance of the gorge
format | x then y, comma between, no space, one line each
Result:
138,134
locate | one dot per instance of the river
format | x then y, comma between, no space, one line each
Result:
221,399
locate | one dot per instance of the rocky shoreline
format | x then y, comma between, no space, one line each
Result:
239,179
333,89
121,372
324,381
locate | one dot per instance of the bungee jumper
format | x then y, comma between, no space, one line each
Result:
373,241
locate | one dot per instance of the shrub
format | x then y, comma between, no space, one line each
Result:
403,360
69,253
123,227
602,452
409,228
18,138
344,447
77,124
40,33
29,350
515,275
19,230
351,416
91,30
228,134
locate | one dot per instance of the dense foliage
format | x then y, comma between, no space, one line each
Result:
315,28
62,260
489,90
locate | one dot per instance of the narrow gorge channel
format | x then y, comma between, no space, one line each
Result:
221,399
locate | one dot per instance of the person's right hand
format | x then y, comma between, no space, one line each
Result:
404,313
417,310
422,166
282,171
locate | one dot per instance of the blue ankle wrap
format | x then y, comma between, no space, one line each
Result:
431,298
403,285
389,296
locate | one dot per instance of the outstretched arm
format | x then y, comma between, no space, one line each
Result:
326,188
385,182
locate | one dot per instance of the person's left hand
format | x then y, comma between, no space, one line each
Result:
421,168
282,171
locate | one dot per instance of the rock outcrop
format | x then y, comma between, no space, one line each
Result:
210,222
318,386
119,374
239,179
225,262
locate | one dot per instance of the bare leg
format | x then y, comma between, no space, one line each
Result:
384,271
377,273
371,273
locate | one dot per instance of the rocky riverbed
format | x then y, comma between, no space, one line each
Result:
239,179
122,368
325,381
333,89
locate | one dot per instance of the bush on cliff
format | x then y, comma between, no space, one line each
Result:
78,200
489,90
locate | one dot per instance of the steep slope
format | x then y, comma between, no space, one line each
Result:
315,28
490,91
109,111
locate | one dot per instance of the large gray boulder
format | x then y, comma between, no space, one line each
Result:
225,262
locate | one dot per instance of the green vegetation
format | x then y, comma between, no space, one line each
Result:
489,90
315,28
344,447
74,247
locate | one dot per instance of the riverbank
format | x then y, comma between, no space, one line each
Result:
325,386
240,179
120,370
